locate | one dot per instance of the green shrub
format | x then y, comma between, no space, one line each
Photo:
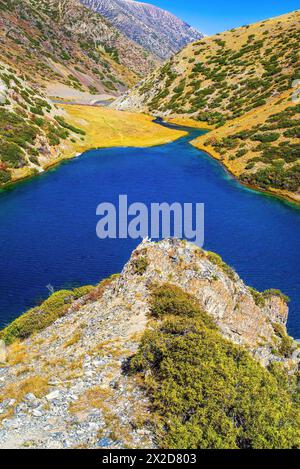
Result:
169,299
258,297
241,152
207,392
217,260
267,137
37,110
11,154
276,292
287,345
275,176
65,56
68,126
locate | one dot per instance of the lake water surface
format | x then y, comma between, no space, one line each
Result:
47,224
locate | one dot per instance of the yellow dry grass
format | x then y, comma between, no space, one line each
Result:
110,128
74,339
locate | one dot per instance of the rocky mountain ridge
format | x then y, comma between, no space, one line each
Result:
157,30
64,385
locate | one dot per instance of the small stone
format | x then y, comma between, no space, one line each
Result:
53,395
37,413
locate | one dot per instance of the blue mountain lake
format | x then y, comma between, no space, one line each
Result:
48,223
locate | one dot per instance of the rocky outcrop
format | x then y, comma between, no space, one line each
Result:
65,387
157,30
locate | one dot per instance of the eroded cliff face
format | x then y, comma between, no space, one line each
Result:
65,386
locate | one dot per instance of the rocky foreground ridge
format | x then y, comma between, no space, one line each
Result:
244,83
65,386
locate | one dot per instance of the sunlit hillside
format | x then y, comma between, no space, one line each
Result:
236,81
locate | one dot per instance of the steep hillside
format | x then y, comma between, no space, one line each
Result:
242,81
36,134
128,362
262,148
157,30
224,76
62,45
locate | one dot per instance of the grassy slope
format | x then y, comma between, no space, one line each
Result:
36,134
235,81
31,131
102,128
71,46
109,128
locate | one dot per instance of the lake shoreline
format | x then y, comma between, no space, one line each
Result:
175,122
276,193
75,150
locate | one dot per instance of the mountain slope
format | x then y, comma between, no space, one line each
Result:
61,42
157,30
61,49
35,133
214,349
32,129
239,78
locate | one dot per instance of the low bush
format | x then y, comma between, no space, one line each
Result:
68,126
287,345
275,176
217,260
207,392
266,137
42,316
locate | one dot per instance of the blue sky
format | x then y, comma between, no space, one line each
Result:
215,16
